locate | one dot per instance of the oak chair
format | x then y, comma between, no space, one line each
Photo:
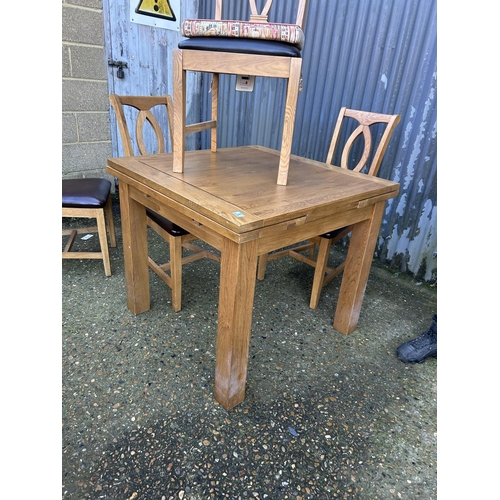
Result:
323,274
177,237
89,198
255,47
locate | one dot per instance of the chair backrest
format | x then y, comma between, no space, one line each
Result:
143,104
366,119
261,17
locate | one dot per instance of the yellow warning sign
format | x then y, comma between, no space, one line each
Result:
156,8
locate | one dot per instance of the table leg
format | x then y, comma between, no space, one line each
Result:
237,287
357,268
135,251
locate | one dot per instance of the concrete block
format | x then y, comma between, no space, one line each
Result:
66,64
79,159
82,26
93,173
69,128
93,127
88,62
90,4
84,96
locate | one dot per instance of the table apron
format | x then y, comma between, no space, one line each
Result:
270,238
203,228
274,237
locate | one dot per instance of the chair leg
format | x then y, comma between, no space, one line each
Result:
261,270
71,240
319,272
111,223
175,245
292,95
101,229
215,106
179,84
311,251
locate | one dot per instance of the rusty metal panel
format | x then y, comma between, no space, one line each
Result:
377,55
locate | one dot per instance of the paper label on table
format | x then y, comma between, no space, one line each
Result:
239,214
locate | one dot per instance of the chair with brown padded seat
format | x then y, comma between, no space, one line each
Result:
364,120
255,47
91,199
176,237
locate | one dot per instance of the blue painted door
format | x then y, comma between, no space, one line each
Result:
144,52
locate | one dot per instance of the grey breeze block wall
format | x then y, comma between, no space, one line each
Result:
86,139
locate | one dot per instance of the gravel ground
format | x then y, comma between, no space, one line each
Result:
325,415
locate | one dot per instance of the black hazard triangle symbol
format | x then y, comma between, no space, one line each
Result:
156,8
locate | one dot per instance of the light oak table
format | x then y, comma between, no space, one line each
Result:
230,200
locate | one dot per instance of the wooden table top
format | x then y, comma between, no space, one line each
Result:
236,187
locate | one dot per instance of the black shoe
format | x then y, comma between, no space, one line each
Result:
417,350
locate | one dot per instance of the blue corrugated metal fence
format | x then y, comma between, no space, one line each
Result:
376,55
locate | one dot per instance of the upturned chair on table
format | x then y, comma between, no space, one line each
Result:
255,47
177,237
89,198
323,274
